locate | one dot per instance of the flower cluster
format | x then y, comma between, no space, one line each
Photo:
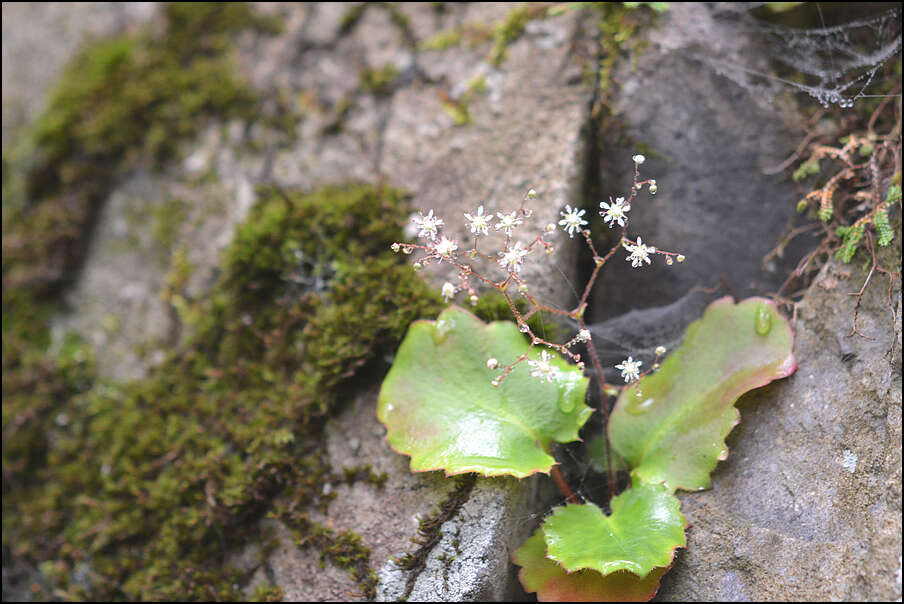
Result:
514,253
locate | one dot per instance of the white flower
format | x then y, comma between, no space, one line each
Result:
480,222
571,220
639,159
507,222
615,212
448,291
492,363
583,335
640,253
445,247
428,225
543,369
512,259
630,369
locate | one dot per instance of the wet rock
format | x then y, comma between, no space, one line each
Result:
808,504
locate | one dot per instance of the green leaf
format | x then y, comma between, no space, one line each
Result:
671,425
645,528
439,406
849,244
552,583
806,169
893,195
883,228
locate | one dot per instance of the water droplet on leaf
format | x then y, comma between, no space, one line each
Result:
763,322
635,406
565,403
443,327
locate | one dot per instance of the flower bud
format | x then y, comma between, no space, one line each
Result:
660,350
680,258
639,159
531,194
492,363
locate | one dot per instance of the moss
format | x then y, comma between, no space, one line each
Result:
130,98
152,483
166,218
379,81
364,473
340,112
512,28
267,593
441,40
458,109
492,306
343,549
398,17
429,533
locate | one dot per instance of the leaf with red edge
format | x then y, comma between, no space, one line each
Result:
642,533
552,583
439,405
671,425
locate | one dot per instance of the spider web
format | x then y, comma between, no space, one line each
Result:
835,65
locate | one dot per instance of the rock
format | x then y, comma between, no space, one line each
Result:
710,135
149,225
59,27
526,131
808,504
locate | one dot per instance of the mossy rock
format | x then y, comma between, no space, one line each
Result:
148,484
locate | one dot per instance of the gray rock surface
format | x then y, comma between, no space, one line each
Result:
710,134
808,504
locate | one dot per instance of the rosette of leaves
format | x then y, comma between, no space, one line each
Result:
670,428
440,407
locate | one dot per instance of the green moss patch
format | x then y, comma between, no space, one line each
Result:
134,97
141,490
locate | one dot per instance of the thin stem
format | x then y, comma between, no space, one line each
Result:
563,485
